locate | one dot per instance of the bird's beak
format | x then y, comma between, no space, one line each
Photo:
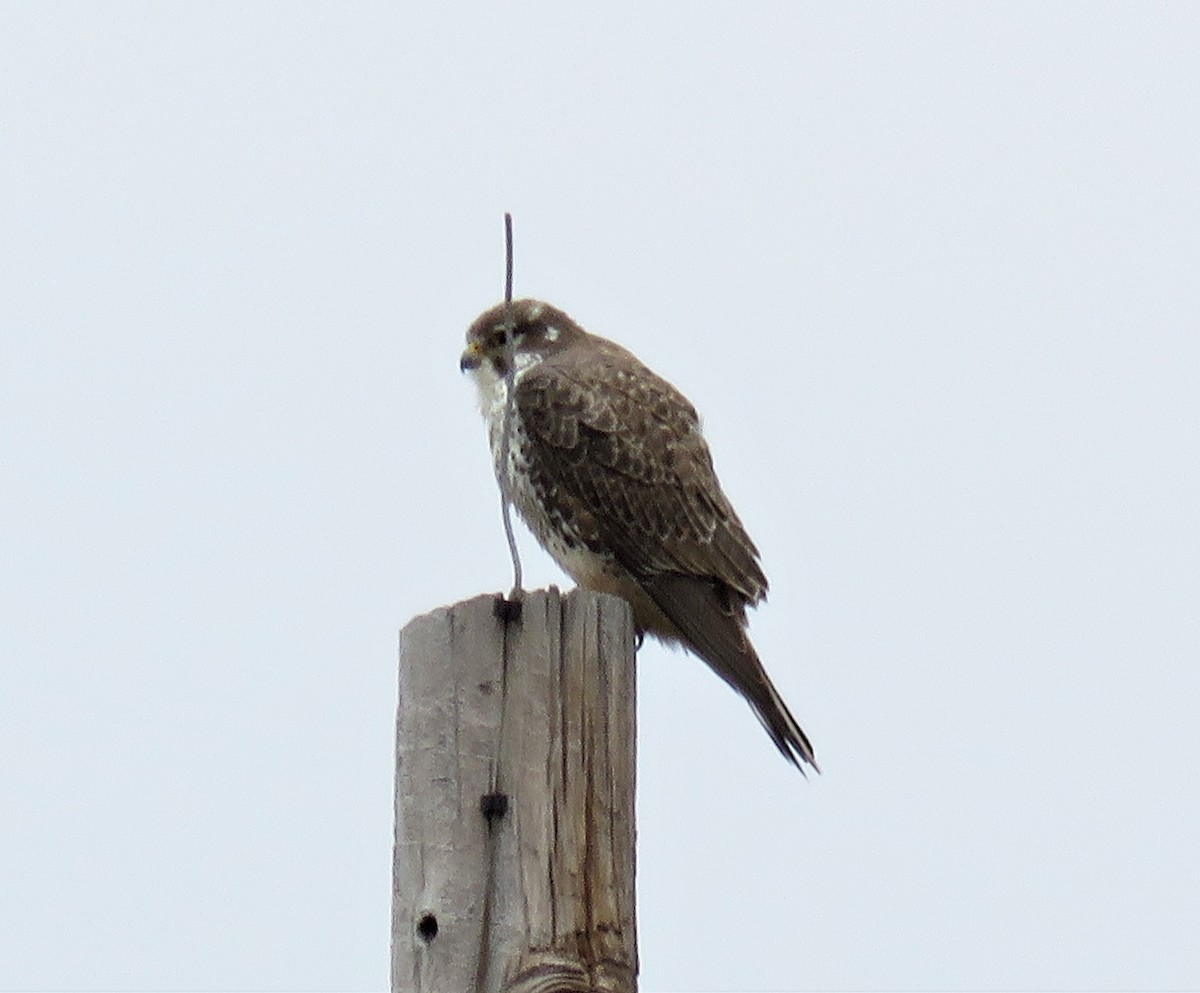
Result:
472,357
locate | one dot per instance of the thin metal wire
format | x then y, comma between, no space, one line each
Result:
484,956
510,368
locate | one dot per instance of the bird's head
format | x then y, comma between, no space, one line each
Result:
537,329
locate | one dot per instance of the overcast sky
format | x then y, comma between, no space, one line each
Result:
930,275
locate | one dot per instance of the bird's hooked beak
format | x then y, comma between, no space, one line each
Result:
472,357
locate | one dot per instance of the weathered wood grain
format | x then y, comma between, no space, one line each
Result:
541,710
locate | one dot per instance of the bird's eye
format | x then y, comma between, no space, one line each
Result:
497,337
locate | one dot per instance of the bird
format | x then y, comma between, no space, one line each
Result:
605,462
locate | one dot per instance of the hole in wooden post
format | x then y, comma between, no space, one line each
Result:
427,928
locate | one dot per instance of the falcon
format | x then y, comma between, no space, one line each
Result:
607,465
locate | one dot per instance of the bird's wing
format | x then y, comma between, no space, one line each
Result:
622,450
617,454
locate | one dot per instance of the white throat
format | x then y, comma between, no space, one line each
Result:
492,388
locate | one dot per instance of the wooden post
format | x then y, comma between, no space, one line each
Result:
514,858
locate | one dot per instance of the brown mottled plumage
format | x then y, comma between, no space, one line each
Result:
609,469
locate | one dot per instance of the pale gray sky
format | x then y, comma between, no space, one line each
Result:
930,273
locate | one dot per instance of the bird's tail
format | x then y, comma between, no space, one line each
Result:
785,731
715,629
